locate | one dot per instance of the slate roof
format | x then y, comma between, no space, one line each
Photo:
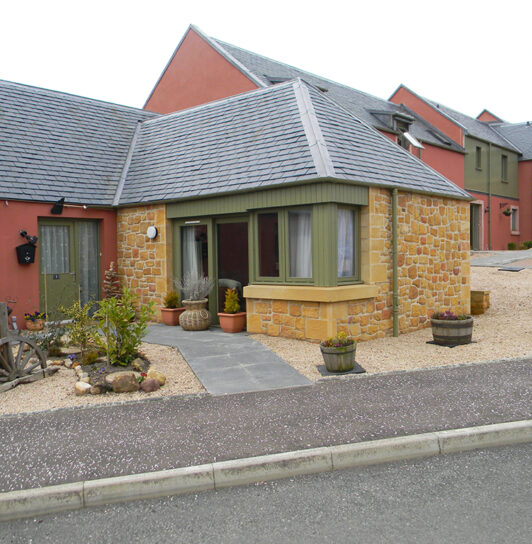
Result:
520,135
283,133
55,144
474,127
372,110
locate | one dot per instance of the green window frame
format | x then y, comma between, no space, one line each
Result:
354,254
504,167
283,246
478,158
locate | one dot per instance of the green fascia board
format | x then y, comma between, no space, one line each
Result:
296,194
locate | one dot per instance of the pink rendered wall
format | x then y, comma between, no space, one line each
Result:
20,282
430,114
525,202
196,74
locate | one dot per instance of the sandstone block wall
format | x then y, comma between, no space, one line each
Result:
433,266
144,265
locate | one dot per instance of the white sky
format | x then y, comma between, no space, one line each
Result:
467,54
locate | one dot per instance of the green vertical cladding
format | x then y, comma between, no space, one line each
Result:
324,244
291,195
476,179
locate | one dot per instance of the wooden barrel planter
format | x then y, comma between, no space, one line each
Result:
452,332
339,359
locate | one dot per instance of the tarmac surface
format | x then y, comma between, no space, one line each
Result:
69,445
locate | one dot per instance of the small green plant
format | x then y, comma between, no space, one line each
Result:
450,316
527,244
90,356
231,301
111,283
171,300
341,340
50,340
512,246
80,327
34,316
194,287
121,333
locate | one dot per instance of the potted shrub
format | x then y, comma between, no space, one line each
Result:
449,329
35,321
232,319
195,289
339,353
171,311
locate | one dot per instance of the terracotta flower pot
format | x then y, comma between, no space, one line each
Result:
232,322
37,325
170,316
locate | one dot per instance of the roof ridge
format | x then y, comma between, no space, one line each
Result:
127,163
318,146
226,99
54,92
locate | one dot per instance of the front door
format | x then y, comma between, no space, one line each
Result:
232,262
475,225
69,264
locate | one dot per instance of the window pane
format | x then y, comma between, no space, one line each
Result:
346,236
194,251
55,249
268,245
300,243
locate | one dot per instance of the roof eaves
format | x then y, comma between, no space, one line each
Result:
123,175
318,147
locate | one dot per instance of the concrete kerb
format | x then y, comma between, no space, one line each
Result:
52,499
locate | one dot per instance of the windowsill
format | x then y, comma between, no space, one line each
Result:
515,233
478,169
504,181
311,293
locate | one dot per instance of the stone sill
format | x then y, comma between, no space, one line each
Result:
311,294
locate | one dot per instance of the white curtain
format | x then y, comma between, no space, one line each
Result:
191,253
345,243
54,247
300,234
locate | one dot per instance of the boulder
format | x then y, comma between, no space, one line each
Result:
123,382
138,364
68,363
57,362
82,388
149,385
157,375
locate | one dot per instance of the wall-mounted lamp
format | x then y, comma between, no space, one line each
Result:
57,208
152,232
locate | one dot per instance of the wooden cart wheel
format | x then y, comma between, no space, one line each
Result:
19,357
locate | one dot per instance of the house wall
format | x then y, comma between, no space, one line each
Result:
433,243
20,282
430,114
145,265
525,203
196,74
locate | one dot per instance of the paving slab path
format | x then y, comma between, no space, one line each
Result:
74,444
518,258
228,363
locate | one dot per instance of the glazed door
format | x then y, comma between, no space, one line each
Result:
58,282
232,260
69,261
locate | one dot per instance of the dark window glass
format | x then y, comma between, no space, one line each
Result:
504,167
478,158
268,245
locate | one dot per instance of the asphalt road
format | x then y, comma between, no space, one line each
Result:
483,496
110,440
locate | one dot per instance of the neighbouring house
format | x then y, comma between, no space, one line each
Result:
323,223
469,152
493,170
53,146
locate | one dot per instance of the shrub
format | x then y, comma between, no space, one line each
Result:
231,301
81,326
121,333
341,340
194,287
50,339
511,245
527,244
171,300
111,283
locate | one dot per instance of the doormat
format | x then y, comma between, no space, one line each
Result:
510,269
322,369
451,345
